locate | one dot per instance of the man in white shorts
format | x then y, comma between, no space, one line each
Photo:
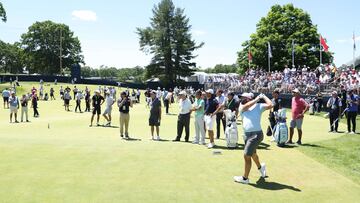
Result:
109,100
211,105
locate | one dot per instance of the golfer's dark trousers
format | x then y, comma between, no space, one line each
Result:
87,105
219,117
78,102
334,114
351,118
183,122
166,104
36,113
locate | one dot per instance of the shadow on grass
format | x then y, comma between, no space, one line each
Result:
131,139
262,184
262,146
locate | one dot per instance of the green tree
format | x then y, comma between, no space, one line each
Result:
221,68
11,56
2,13
41,46
280,27
170,42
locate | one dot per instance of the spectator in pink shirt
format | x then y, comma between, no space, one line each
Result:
298,108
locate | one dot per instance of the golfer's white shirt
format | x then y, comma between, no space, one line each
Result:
185,106
109,101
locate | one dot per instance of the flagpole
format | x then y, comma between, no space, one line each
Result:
354,49
269,62
320,50
293,54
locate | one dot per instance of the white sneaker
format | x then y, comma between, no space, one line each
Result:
202,143
240,179
351,133
211,145
158,138
262,170
195,142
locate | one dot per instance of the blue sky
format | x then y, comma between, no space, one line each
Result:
106,29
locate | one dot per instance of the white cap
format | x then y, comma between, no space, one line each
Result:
296,90
210,91
182,93
97,91
252,95
247,95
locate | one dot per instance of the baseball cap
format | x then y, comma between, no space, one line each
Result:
296,90
182,93
97,91
210,91
246,95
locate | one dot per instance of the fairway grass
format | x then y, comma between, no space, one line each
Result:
59,158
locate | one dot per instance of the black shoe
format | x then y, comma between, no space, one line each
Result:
186,140
176,140
16,121
27,121
299,142
121,135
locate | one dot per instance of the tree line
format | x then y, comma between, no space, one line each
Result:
52,48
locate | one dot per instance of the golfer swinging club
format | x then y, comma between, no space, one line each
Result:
250,112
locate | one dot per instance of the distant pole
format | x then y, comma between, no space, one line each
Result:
354,49
60,56
269,63
320,50
293,53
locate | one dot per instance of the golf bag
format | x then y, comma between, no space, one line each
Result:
281,129
231,131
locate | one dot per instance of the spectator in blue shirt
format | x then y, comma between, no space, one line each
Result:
14,106
6,95
352,101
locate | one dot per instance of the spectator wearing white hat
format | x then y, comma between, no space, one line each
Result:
79,96
109,101
14,106
24,108
298,109
184,117
334,104
97,101
250,111
211,105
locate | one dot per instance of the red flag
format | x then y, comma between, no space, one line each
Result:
250,56
323,44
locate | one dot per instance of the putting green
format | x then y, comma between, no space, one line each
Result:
71,162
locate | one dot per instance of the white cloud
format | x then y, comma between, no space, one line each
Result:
199,33
85,15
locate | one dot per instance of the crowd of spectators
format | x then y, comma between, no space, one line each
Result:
324,79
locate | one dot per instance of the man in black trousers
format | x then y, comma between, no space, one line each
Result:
334,104
220,98
184,117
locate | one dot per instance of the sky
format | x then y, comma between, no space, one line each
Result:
107,28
